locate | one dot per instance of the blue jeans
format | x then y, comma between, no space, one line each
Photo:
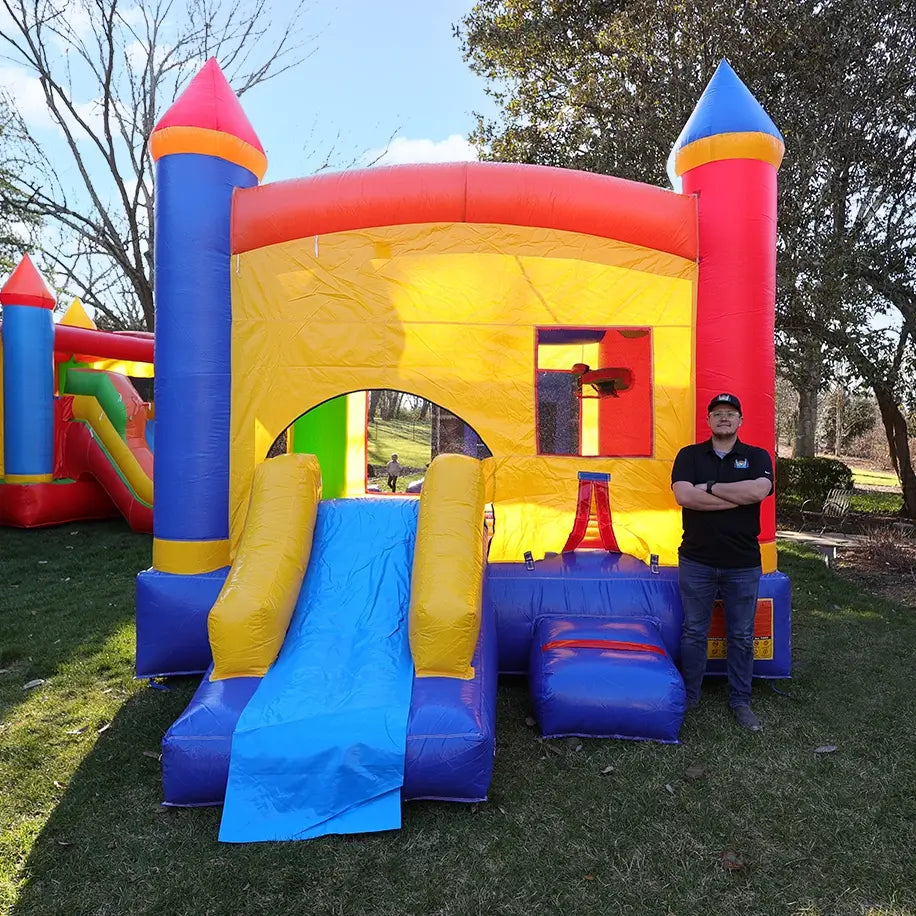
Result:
700,585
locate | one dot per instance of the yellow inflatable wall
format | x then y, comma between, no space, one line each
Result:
451,312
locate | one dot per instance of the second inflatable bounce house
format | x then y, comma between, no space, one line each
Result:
76,437
577,323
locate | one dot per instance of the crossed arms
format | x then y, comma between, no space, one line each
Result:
725,495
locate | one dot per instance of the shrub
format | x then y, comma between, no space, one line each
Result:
811,478
882,545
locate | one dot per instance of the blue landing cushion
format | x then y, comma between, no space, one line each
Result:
605,678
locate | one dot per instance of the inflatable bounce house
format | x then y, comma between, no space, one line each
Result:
578,324
76,438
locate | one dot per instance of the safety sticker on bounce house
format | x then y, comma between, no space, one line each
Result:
763,631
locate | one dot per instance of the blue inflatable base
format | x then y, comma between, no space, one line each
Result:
172,614
451,736
172,610
451,731
594,583
605,678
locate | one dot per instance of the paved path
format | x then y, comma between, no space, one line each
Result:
826,544
827,539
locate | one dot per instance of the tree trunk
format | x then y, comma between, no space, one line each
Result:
806,425
386,404
145,294
838,438
436,426
375,396
806,378
899,447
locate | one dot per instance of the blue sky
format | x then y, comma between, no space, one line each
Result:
382,74
379,69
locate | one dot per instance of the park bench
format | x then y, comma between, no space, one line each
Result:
832,511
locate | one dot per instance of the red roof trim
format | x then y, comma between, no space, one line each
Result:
472,192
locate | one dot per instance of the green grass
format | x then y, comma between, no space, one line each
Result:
862,502
615,827
407,438
874,478
872,502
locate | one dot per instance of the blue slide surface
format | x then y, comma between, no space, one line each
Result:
320,747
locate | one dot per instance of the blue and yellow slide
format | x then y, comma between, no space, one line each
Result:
352,668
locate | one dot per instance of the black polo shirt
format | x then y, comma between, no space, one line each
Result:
727,538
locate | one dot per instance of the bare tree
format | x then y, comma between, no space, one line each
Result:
11,228
107,70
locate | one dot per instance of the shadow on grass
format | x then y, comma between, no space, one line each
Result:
108,840
768,826
63,593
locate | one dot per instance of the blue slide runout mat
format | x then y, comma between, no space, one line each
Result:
319,748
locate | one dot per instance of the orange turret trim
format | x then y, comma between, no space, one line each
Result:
208,143
208,104
26,286
740,145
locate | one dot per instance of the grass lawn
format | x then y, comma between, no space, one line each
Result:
873,477
863,502
724,823
407,439
875,502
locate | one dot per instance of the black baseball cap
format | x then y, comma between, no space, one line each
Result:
729,399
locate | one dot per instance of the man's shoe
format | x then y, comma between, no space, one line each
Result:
746,718
691,703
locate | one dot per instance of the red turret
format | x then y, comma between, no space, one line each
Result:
26,286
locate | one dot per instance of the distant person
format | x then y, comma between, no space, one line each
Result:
394,471
720,484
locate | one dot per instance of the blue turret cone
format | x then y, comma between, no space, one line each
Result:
726,106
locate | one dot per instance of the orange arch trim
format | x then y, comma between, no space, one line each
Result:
469,192
744,145
208,142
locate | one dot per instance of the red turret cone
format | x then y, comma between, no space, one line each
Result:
26,286
209,102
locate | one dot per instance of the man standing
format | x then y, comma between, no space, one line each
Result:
720,484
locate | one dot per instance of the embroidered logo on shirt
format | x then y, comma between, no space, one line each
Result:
742,463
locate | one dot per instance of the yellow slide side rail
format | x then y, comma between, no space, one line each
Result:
87,408
447,581
248,622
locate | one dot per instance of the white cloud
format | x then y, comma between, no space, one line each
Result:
72,24
402,150
26,92
133,16
23,233
137,54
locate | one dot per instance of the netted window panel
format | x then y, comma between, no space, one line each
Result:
594,392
